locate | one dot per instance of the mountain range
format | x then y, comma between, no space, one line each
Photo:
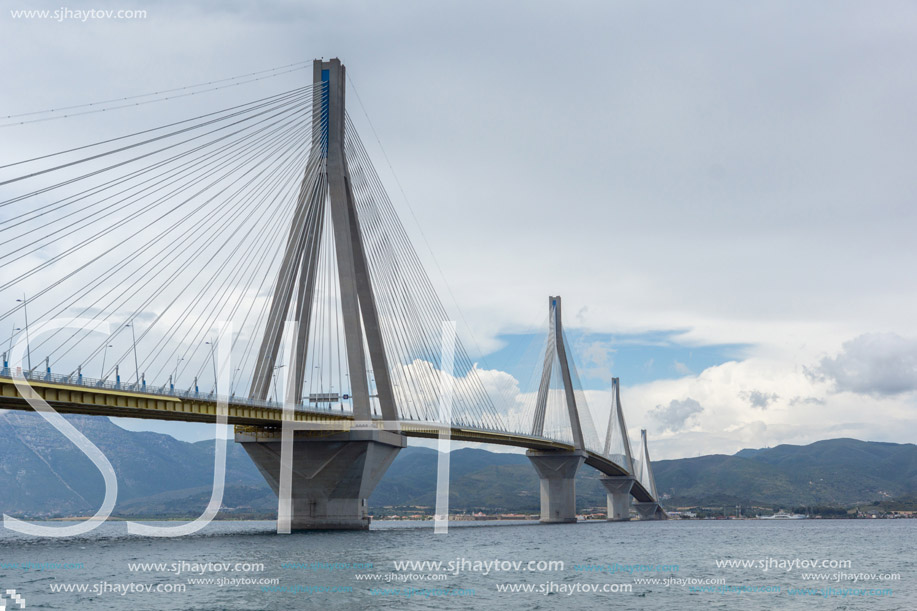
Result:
42,474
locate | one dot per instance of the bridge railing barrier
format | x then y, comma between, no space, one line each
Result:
142,388
170,391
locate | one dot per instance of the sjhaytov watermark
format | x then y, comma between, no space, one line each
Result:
782,564
65,13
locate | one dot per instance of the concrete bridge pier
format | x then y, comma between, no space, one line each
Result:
333,475
618,497
650,510
557,471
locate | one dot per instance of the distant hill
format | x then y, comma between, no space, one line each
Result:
43,475
832,472
479,480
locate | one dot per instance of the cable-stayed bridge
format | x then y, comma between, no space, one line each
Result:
245,266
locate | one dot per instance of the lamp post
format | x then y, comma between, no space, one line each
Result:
274,375
28,348
213,358
136,366
104,353
12,333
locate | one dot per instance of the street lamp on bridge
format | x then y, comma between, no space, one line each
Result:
28,349
104,353
136,366
12,333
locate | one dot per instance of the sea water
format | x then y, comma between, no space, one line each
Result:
676,564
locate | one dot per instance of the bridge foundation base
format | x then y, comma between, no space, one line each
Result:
618,497
557,471
333,476
649,510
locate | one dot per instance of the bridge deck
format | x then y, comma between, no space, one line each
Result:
195,407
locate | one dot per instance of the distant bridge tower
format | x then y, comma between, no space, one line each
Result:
650,510
332,476
557,470
617,447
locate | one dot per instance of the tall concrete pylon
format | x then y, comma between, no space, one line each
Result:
617,447
646,476
650,510
556,349
557,470
324,481
617,442
327,175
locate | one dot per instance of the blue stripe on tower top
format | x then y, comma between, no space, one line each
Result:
326,93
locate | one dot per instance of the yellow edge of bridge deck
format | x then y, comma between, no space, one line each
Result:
73,398
76,399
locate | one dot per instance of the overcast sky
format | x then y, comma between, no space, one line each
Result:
726,182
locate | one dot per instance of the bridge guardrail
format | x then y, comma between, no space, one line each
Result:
143,388
167,391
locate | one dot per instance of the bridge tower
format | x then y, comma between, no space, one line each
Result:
649,510
617,447
332,475
557,470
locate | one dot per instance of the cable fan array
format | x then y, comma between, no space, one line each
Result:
150,239
556,419
155,239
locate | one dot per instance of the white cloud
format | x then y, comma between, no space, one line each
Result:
674,416
874,364
594,358
800,410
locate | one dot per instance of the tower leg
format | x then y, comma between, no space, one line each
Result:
333,476
618,497
557,471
